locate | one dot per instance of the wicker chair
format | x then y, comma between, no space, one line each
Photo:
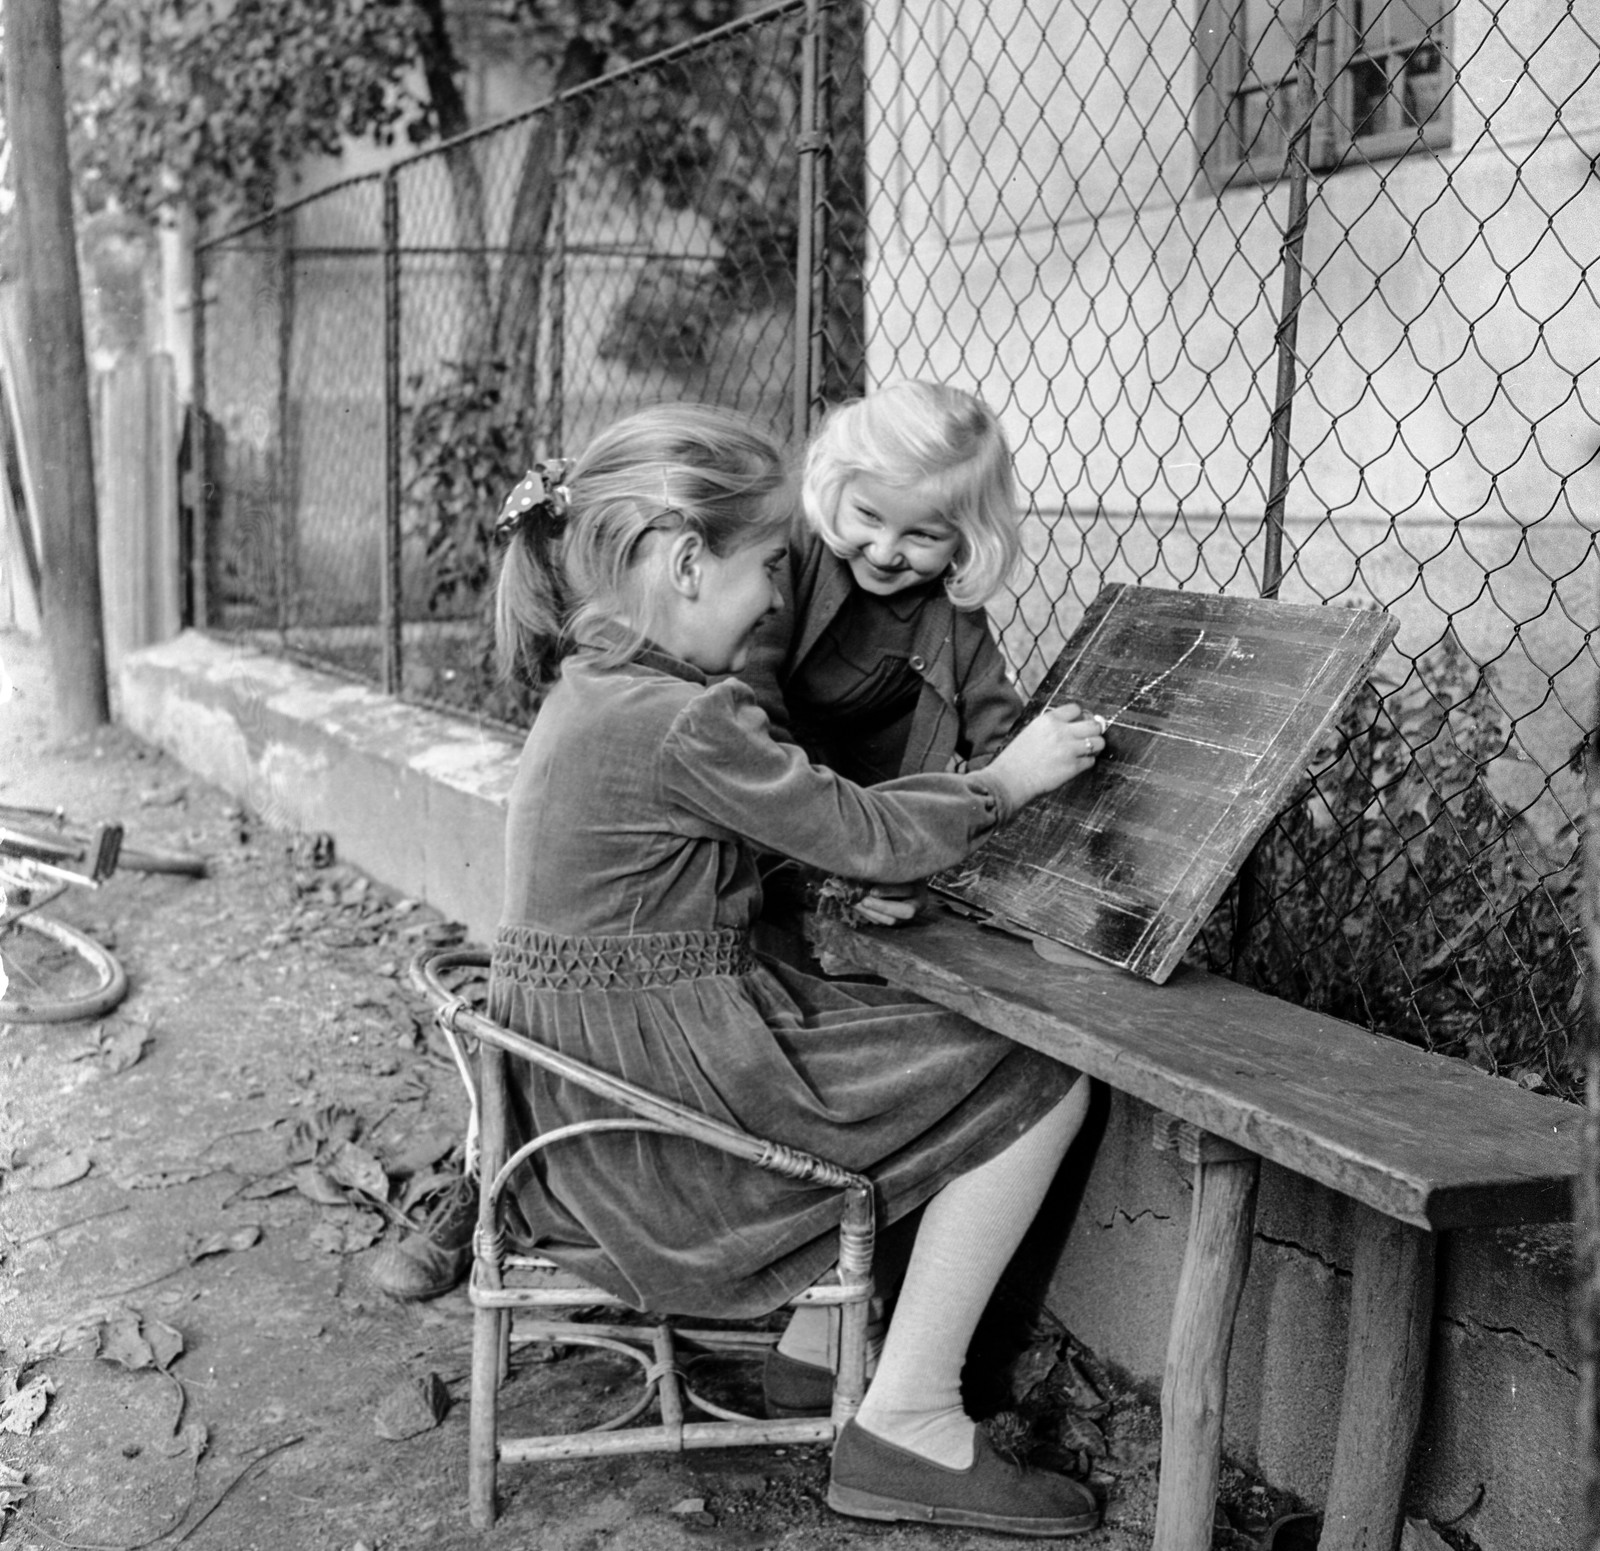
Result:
536,1291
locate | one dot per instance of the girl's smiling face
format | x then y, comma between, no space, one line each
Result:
893,538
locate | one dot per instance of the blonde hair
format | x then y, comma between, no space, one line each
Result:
661,470
945,444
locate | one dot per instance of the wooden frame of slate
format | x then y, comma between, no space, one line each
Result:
1215,706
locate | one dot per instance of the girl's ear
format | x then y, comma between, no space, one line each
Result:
683,563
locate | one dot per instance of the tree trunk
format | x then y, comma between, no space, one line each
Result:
53,328
522,278
440,68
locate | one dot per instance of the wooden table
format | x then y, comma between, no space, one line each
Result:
1422,1142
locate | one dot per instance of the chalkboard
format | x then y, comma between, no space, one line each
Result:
1214,707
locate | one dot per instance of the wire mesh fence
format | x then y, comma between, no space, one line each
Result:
1292,298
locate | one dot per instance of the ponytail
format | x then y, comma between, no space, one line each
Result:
531,606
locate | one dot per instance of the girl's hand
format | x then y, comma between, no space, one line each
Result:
1052,749
891,904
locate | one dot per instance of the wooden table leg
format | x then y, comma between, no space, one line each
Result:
1391,1321
1195,1385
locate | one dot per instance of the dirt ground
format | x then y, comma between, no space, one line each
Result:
187,1300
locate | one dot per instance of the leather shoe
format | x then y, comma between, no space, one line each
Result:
793,1388
874,1479
437,1256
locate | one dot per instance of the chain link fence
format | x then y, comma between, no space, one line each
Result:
1289,298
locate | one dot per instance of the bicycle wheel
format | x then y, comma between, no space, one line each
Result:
55,973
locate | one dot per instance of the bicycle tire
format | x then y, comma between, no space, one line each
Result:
66,977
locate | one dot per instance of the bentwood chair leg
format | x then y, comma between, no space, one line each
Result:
491,1328
483,1440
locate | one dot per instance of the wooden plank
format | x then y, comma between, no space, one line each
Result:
1215,706
1419,1137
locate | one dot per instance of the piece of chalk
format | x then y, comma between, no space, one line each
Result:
1100,722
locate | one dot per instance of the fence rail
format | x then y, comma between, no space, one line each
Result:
1296,299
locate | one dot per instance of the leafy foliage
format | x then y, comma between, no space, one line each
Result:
1398,892
468,440
217,101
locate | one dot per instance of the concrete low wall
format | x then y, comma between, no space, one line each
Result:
417,799
414,798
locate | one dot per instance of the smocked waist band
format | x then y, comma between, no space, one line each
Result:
549,961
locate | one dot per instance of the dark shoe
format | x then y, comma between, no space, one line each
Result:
873,1479
793,1388
1294,1532
437,1257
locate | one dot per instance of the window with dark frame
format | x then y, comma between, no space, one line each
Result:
1381,71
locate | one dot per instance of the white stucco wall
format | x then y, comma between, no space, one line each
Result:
1041,233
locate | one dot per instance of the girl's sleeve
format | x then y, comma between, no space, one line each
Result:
722,768
991,708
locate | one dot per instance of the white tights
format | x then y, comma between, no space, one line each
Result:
968,1234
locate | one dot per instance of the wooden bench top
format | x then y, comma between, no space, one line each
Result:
1422,1138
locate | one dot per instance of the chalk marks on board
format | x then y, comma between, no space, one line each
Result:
1213,706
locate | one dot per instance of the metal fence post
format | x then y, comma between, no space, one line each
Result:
199,448
556,282
1296,165
809,145
390,583
285,516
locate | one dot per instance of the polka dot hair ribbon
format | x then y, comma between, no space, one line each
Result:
540,497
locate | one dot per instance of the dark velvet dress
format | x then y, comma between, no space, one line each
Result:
642,797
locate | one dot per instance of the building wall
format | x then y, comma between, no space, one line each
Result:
1042,233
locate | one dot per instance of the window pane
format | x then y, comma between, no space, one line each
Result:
1397,71
1265,100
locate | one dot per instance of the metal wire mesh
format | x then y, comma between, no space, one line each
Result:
1281,296
294,400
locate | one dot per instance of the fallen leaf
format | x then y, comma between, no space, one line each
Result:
357,1168
13,1487
53,1173
421,1186
122,1342
62,1338
1420,1535
315,1185
201,1246
20,1409
123,1045
348,1234
166,1341
1034,1365
413,1407
1078,1432
331,1125
269,1185
420,1151
160,1177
